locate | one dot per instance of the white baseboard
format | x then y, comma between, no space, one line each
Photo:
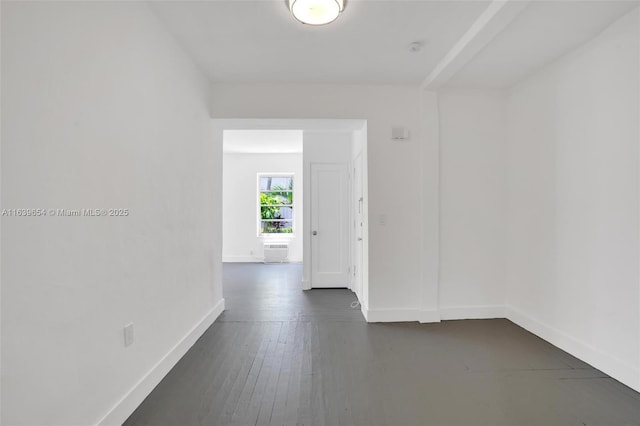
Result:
365,311
434,315
252,259
428,315
134,397
391,315
607,363
400,315
472,312
241,259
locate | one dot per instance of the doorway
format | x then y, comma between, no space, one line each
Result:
262,202
333,173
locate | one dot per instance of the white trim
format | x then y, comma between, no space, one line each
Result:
607,363
242,259
428,315
365,311
391,315
251,259
306,285
434,315
400,315
472,312
134,397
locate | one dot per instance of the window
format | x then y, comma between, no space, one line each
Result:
275,198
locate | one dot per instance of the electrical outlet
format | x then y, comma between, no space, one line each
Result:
128,334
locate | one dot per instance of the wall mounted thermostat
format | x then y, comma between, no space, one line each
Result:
399,133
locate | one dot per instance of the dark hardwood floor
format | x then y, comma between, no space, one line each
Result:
281,356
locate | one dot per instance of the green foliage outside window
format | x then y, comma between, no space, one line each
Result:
276,209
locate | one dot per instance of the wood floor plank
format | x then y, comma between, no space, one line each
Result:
281,356
317,393
260,390
265,409
246,362
213,400
294,386
282,404
219,372
304,408
243,414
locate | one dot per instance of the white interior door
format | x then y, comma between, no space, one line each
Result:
329,225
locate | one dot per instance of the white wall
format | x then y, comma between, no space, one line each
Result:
240,240
472,204
320,147
395,254
359,227
573,203
101,109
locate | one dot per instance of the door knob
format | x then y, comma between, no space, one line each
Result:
314,233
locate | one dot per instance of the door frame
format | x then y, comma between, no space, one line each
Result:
358,126
356,223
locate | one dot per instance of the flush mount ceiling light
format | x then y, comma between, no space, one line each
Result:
316,12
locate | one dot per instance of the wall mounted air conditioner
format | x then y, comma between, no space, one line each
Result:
276,253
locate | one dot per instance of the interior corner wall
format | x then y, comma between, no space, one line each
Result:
473,203
240,240
573,244
395,256
101,109
430,205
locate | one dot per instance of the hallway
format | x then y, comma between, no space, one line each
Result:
281,356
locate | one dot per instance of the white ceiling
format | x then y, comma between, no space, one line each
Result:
260,42
243,41
262,141
544,31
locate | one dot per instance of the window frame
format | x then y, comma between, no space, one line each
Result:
259,219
